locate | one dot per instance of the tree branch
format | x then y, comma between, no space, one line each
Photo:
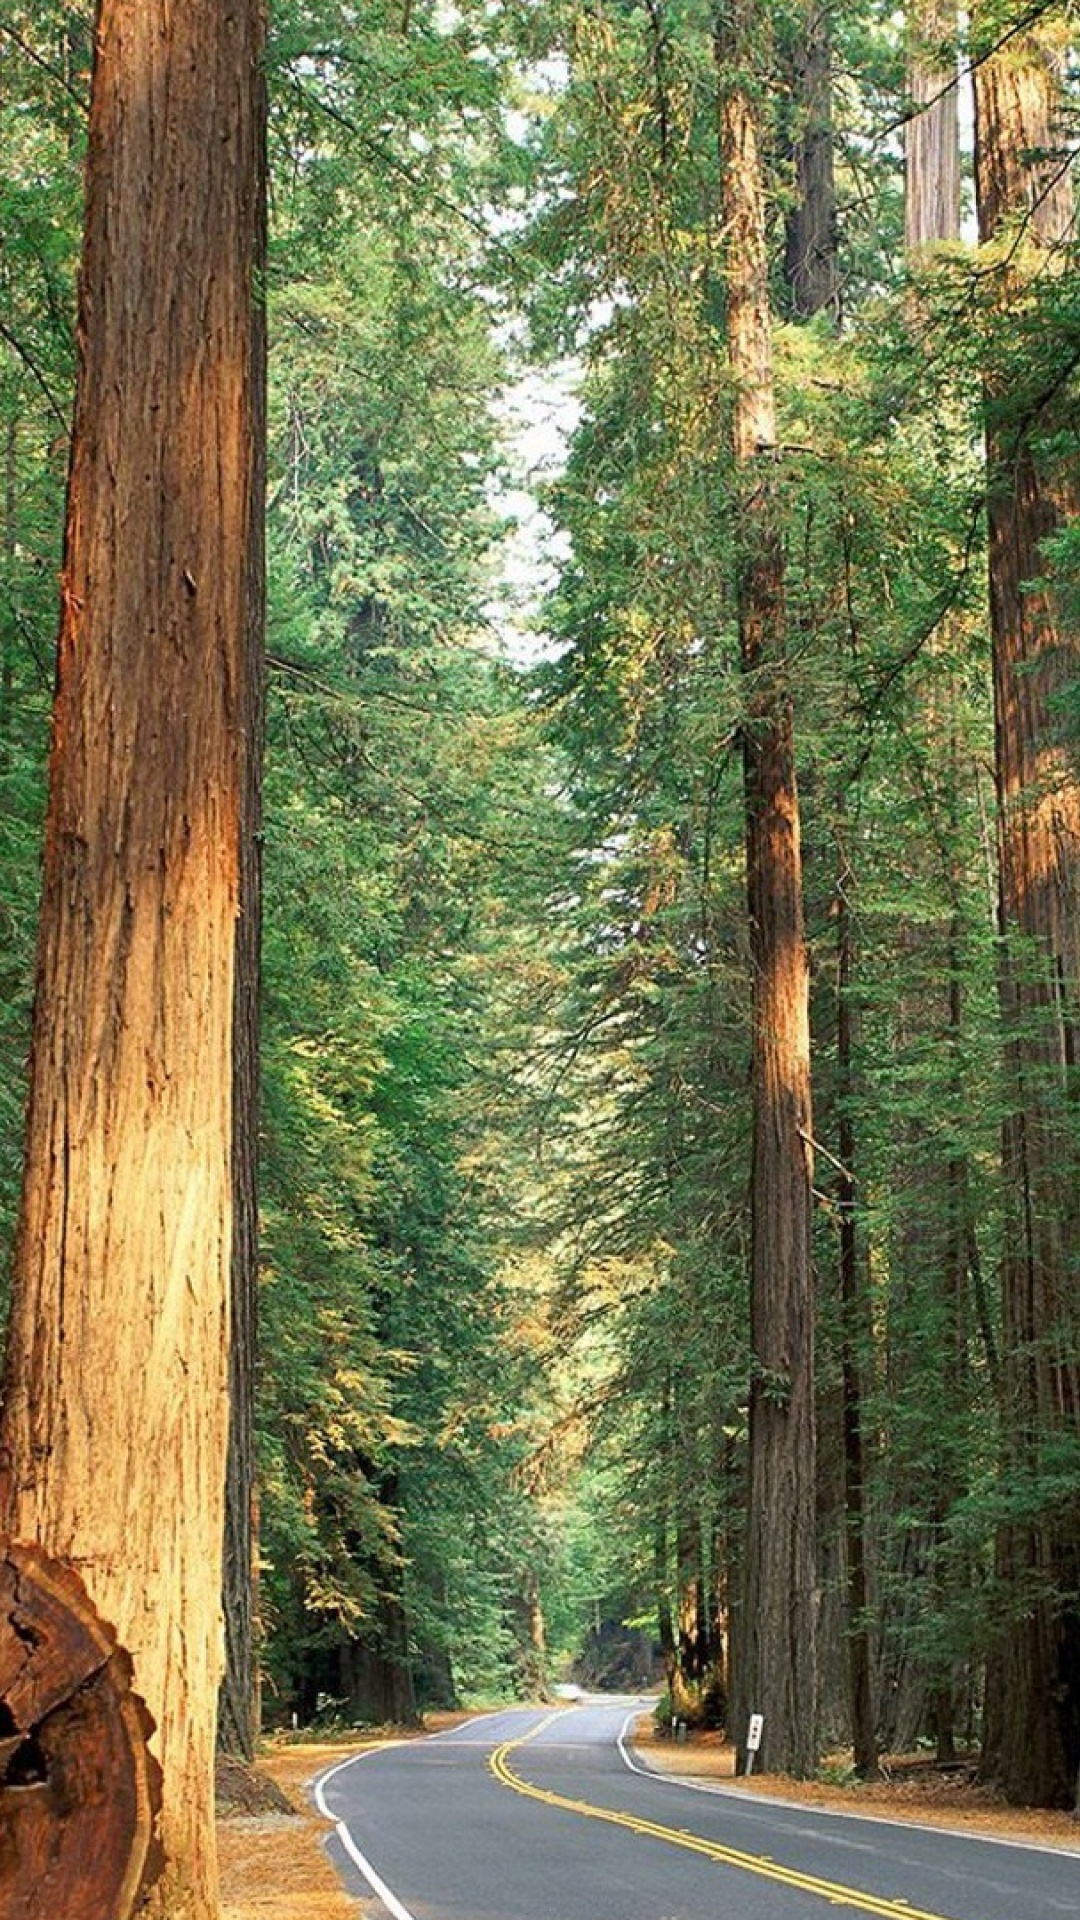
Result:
32,367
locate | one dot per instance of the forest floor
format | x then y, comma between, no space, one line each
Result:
274,1864
912,1788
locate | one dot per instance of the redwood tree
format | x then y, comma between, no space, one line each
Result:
113,1433
239,1702
1025,213
811,266
776,1670
931,139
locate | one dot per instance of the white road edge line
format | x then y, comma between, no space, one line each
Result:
832,1813
379,1887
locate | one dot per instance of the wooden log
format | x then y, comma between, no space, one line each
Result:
80,1793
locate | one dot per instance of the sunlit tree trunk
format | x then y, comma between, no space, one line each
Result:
931,135
113,1434
1025,210
777,1669
812,271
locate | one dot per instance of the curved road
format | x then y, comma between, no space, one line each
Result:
535,1814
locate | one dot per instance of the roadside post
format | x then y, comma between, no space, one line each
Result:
753,1739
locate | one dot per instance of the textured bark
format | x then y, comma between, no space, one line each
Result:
1033,1696
1022,152
532,1637
932,218
113,1432
238,1707
375,1677
811,265
949,1471
665,1617
693,1651
777,1670
79,1791
856,1336
931,136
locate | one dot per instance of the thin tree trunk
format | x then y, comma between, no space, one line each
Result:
932,218
947,1469
7,644
533,1655
113,1432
1033,1698
855,1346
777,1675
666,1583
238,1706
665,1619
692,1657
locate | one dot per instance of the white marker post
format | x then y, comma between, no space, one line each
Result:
753,1739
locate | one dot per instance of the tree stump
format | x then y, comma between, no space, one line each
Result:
79,1791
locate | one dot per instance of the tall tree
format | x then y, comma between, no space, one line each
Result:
776,1667
238,1704
929,1247
855,1318
1025,215
113,1430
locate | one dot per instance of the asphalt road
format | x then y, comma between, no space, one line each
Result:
539,1815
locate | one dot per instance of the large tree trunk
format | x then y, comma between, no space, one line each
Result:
931,136
811,263
1033,1704
113,1432
777,1669
375,1674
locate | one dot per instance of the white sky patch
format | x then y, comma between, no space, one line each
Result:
539,412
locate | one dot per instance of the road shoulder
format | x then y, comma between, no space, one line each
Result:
949,1801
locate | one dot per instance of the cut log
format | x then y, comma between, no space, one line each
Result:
79,1791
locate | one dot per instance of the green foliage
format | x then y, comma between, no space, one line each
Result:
390,1406
880,485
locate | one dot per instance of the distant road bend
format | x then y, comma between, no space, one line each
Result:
534,1814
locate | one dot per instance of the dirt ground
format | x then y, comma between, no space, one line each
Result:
274,1864
911,1790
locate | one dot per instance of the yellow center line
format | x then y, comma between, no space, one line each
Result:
766,1869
